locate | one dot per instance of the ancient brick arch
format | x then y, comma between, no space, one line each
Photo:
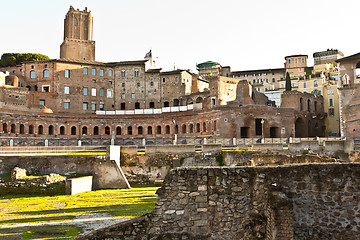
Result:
300,127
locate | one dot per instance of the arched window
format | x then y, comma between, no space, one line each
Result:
73,130
40,130
158,130
149,130
204,127
31,129
301,104
129,130
5,128
176,129
166,104
118,130
183,128
107,130
167,129
46,73
32,74
51,130
12,129
22,129
62,130
137,105
84,131
199,100
151,105
140,130
191,128
96,130
176,102
308,103
215,125
198,127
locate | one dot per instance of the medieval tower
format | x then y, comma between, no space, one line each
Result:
78,36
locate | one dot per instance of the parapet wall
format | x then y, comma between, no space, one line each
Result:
314,201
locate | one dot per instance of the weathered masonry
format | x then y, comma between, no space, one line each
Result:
314,201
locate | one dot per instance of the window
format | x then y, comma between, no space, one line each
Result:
73,130
101,72
123,73
93,71
123,84
331,102
110,73
45,88
12,128
149,130
101,107
93,81
198,127
32,74
101,92
84,131
183,128
166,104
191,128
129,130
152,84
158,130
176,79
22,129
118,130
31,129
42,102
109,93
136,73
138,84
66,105
93,92
62,130
331,112
85,106
289,61
316,83
85,91
110,82
273,80
163,80
66,90
137,105
93,106
149,93
304,85
46,73
122,106
140,130
123,96
40,130
151,105
133,95
67,73
85,71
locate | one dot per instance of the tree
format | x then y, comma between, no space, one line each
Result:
288,82
13,59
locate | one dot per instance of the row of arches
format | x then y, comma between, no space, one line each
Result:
167,129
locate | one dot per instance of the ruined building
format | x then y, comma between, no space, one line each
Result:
77,98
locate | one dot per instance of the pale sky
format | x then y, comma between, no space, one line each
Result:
246,35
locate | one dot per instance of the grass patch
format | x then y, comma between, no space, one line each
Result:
132,202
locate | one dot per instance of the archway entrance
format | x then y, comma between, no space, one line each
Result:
300,130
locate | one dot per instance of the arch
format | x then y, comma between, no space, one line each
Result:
5,128
129,130
166,104
167,129
149,130
62,130
22,129
84,130
199,100
96,130
176,129
300,129
204,126
107,130
31,129
40,130
51,130
301,104
137,105
198,127
176,102
189,101
73,130
12,128
46,73
118,130
308,105
158,130
140,130
183,128
191,128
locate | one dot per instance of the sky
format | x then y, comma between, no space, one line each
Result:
243,34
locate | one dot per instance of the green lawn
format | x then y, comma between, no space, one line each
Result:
119,203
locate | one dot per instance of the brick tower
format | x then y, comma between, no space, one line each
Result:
78,31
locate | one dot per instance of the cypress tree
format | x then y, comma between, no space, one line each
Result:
288,82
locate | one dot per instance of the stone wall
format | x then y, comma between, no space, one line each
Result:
314,201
